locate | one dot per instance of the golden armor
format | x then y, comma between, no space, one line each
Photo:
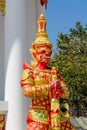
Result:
44,86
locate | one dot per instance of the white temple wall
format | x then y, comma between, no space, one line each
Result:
1,57
17,32
32,14
33,11
20,29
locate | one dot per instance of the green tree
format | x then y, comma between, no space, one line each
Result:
71,59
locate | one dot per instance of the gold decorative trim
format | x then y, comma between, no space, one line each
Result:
2,122
2,7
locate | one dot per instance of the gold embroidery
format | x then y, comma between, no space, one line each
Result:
33,92
39,116
39,80
29,81
37,107
27,91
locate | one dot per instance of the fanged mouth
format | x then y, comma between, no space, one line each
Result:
47,57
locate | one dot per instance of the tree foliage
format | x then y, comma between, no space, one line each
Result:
71,59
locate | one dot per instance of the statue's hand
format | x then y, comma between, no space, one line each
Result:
56,90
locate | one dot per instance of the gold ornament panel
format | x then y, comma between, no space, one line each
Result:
2,6
2,121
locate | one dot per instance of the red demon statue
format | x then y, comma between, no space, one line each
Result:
45,87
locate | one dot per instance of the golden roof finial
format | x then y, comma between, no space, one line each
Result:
41,36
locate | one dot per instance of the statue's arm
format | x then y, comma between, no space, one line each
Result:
31,90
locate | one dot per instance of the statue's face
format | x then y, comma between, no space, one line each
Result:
43,53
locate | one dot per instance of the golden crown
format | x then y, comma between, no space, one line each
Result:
41,36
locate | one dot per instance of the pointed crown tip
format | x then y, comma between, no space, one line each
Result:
41,36
42,17
42,14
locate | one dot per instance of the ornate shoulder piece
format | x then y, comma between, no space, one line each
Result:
26,66
25,74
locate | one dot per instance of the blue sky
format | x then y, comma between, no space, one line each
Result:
63,14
